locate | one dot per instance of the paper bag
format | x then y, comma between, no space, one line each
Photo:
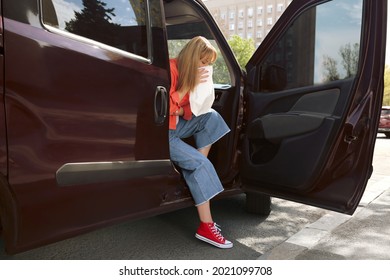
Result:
202,97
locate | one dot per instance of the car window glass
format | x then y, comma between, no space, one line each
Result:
119,24
321,46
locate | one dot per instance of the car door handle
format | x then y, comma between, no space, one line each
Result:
160,105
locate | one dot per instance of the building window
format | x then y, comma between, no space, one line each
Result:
259,10
259,22
240,25
249,23
280,8
269,9
269,21
231,15
231,27
241,13
250,12
259,34
249,35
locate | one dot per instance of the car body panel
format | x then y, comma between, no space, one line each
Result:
3,144
75,104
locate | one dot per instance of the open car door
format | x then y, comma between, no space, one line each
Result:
313,95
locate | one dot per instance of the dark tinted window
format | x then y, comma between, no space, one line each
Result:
117,23
322,45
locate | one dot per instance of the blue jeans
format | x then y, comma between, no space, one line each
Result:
198,172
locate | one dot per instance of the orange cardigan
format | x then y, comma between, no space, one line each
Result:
174,103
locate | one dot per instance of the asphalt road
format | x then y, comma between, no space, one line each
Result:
171,236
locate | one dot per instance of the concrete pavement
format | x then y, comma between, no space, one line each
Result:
363,236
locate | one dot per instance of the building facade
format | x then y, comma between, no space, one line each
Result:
250,19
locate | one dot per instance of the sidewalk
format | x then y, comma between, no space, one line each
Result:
335,236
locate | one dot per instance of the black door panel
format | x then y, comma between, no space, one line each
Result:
284,147
306,115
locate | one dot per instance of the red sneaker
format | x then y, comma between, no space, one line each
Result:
211,233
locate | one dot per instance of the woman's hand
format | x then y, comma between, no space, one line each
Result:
203,74
179,112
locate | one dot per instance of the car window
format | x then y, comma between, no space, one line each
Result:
118,24
315,48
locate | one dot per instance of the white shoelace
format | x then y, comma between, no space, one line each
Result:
216,229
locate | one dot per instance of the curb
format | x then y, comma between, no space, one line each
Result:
309,236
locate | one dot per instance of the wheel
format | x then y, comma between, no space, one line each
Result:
258,203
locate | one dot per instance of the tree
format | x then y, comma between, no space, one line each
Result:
386,92
94,22
242,48
350,58
330,68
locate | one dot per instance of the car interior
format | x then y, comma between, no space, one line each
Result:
184,22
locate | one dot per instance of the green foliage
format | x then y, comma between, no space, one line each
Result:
242,48
386,92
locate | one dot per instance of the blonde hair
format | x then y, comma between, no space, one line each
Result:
196,49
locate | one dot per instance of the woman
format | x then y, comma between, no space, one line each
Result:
197,170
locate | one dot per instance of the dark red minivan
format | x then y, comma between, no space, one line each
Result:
84,99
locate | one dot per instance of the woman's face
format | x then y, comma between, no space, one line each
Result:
205,61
